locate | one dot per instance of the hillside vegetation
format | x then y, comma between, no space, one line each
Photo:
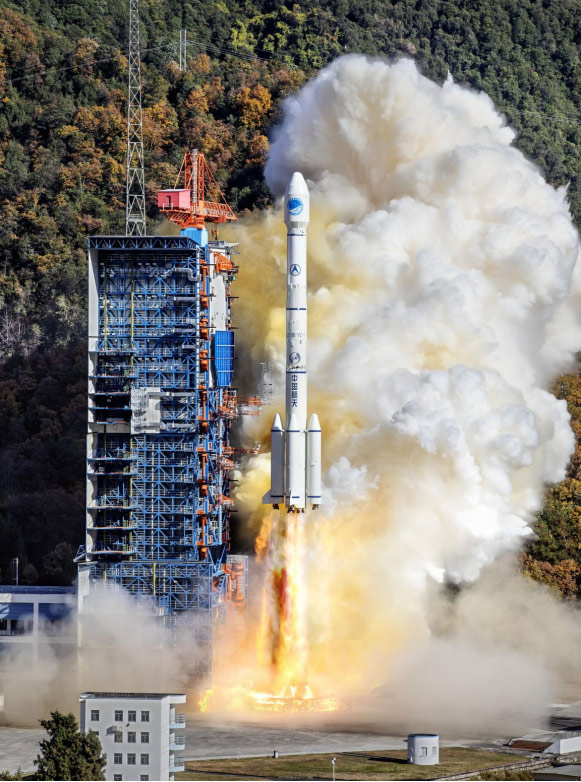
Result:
62,115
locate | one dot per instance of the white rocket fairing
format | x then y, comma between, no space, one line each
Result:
295,462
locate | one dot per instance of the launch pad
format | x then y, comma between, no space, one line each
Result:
295,704
243,698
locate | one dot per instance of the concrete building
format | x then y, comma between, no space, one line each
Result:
560,743
35,622
136,730
423,749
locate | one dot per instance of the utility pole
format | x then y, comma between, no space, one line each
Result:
135,194
183,50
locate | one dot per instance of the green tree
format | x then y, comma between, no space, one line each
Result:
67,753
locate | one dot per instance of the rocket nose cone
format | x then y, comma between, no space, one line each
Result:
277,424
314,424
297,185
292,424
296,202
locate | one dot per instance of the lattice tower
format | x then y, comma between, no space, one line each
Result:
135,194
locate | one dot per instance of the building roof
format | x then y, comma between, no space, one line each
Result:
530,745
134,695
37,590
139,242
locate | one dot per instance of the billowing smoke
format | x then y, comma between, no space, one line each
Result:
121,650
443,301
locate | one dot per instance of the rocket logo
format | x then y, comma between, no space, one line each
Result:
295,270
295,206
294,358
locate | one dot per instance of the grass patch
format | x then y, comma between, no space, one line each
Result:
390,764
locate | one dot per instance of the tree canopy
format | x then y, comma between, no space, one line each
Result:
67,753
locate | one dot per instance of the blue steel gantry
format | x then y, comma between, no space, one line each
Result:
161,403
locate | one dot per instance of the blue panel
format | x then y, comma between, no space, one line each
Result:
199,235
15,610
224,357
53,611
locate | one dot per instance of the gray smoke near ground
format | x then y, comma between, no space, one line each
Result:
444,298
121,650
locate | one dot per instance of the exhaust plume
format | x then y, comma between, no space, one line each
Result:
443,300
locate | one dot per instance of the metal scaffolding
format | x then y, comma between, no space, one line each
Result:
161,357
135,181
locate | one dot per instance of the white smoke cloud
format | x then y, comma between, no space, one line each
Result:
450,257
444,298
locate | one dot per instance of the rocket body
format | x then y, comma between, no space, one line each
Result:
296,482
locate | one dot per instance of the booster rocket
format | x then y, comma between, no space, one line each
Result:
295,458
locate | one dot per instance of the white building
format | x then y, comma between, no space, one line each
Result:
424,749
136,730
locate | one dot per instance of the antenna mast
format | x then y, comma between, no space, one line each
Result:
183,50
135,194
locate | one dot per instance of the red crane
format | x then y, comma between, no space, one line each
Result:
199,200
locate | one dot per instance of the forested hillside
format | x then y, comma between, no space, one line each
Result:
62,86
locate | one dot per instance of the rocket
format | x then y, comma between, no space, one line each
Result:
295,458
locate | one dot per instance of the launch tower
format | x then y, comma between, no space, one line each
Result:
161,403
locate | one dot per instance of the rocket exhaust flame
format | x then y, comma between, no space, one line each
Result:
295,484
283,635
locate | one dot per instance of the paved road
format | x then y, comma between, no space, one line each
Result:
19,748
213,737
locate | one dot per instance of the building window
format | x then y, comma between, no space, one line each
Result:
118,716
94,715
21,627
130,760
118,737
118,758
145,760
118,777
424,752
96,732
132,737
144,716
434,751
131,716
144,777
145,738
